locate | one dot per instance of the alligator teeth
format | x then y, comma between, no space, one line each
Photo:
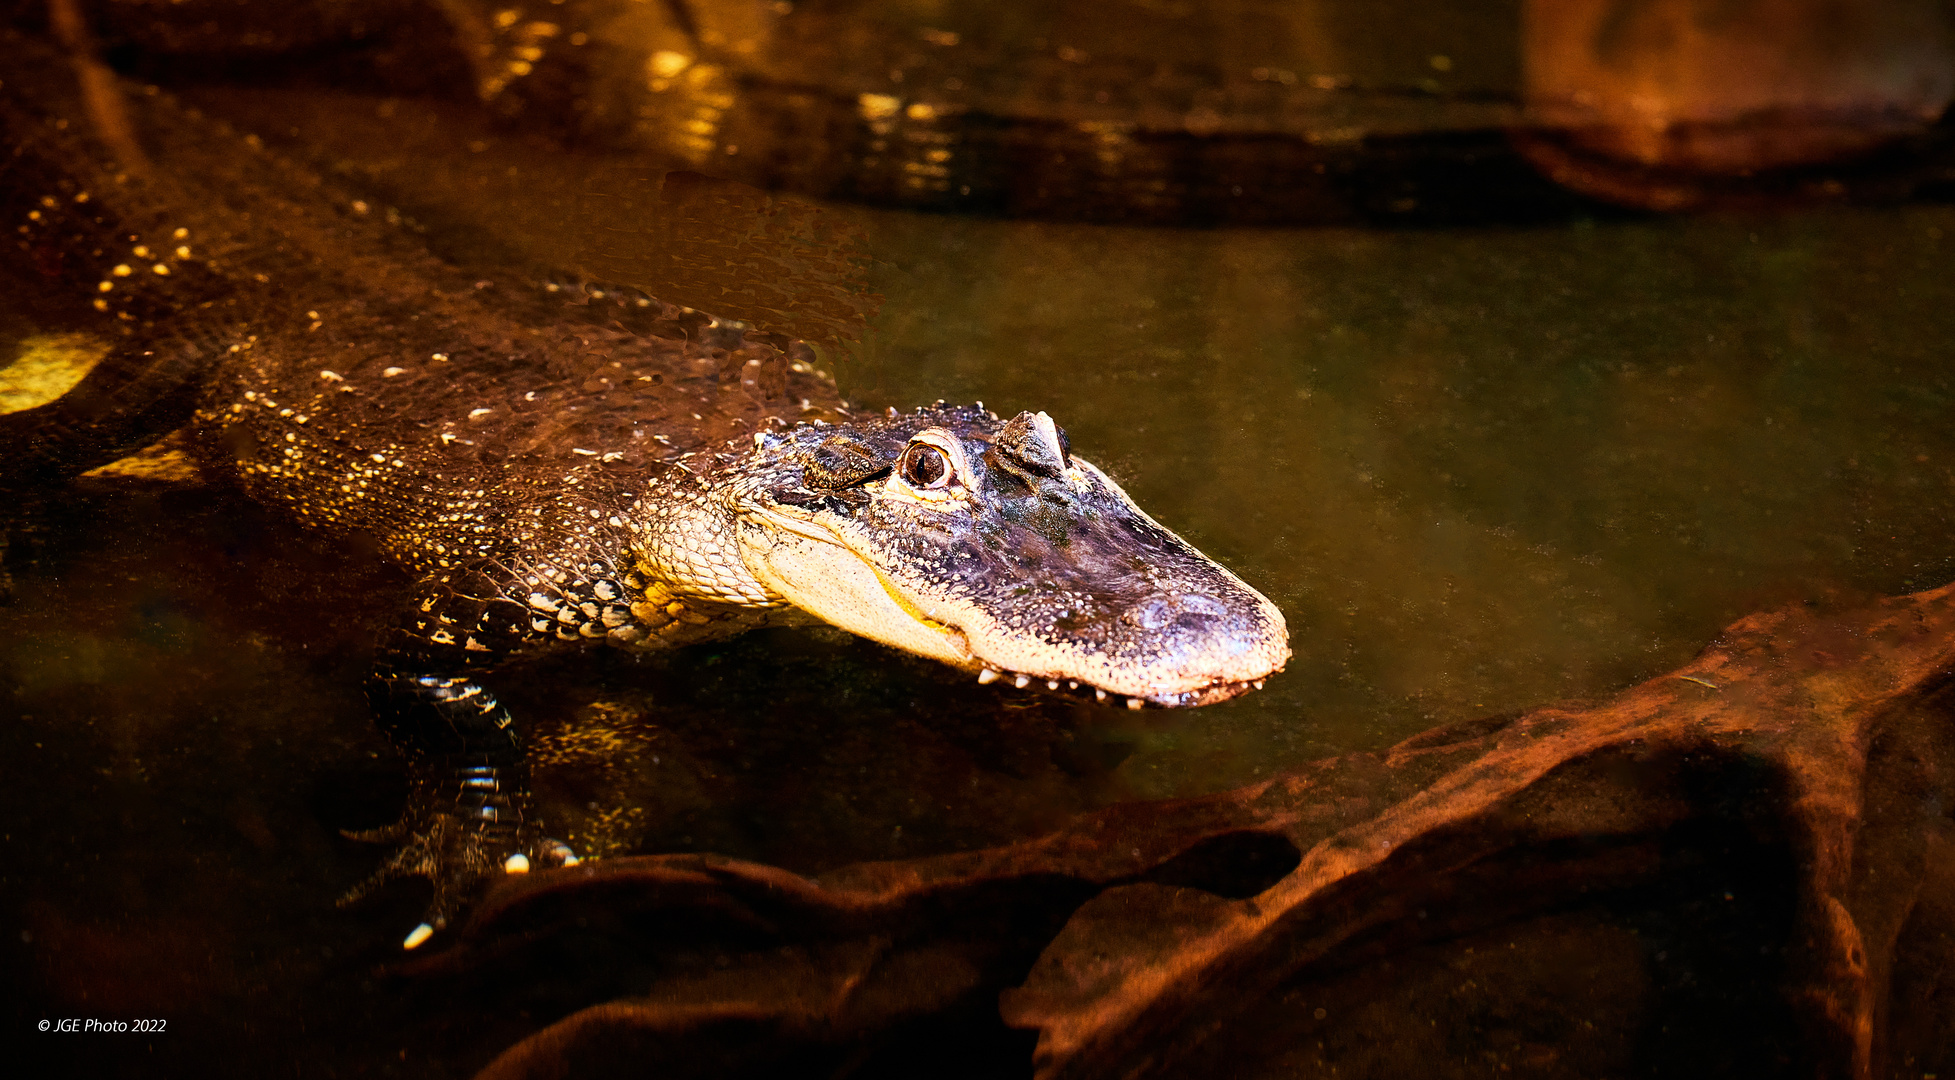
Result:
1099,694
1052,684
420,934
1072,684
516,864
1135,703
987,677
1257,683
1021,681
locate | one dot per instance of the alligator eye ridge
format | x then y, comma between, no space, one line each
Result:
841,462
924,467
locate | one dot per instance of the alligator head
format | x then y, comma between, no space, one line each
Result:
986,544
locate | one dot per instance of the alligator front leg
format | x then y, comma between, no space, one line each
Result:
470,814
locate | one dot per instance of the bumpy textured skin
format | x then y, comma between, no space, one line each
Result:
485,434
566,467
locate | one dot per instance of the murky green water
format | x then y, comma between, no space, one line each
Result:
1478,470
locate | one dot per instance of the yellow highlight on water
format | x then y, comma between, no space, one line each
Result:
46,366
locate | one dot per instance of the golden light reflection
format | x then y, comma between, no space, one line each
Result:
166,461
612,746
687,106
47,366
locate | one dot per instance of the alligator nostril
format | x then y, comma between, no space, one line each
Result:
1190,611
1191,621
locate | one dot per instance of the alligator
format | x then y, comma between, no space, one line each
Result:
561,468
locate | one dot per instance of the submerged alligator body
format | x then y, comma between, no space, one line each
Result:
566,468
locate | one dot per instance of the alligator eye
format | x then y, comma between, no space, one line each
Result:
924,467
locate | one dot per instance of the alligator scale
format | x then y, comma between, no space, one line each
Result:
565,468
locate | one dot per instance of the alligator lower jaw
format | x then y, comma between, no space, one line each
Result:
1207,695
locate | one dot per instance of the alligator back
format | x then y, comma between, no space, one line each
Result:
340,370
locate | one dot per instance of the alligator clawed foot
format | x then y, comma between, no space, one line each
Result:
459,858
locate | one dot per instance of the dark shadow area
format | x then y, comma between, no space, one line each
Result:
406,48
1235,866
1633,954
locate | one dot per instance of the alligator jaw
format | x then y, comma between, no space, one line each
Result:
816,571
808,566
